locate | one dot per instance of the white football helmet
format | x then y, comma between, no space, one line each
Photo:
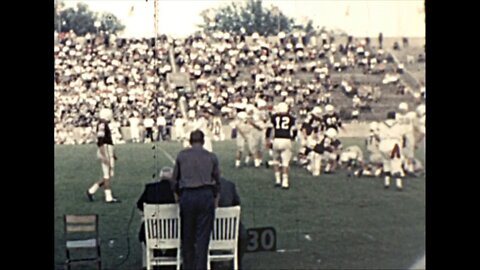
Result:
317,111
106,114
403,106
282,107
331,133
242,116
329,108
261,103
191,114
421,110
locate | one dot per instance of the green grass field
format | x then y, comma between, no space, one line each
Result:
352,223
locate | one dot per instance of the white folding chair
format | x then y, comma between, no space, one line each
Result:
224,238
162,231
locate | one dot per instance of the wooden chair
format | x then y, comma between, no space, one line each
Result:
162,231
81,233
224,239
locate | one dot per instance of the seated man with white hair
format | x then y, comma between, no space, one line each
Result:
158,192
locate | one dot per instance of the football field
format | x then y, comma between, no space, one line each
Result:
325,222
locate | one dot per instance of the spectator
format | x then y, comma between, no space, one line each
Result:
158,192
229,197
197,184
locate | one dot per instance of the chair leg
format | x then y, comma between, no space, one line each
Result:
67,262
149,265
179,259
99,263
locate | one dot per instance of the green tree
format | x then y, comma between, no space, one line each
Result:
249,18
82,20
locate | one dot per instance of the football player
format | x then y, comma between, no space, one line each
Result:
243,130
310,128
391,135
283,134
374,165
331,119
352,156
407,120
331,149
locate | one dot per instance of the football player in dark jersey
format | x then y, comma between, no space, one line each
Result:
283,133
310,132
331,119
106,155
330,147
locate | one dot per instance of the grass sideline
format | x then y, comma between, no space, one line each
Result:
351,223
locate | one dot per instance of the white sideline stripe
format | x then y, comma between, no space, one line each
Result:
167,155
419,265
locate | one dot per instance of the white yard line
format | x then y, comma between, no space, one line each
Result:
167,155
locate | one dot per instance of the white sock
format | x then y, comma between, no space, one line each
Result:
257,162
278,178
108,195
285,180
93,189
378,172
399,183
387,180
247,160
237,163
327,168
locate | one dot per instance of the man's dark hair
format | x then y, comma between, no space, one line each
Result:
197,137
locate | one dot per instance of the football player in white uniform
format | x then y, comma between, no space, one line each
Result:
204,124
391,135
352,156
407,120
256,138
375,160
283,133
243,130
191,124
134,127
420,124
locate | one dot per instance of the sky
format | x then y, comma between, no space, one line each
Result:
394,18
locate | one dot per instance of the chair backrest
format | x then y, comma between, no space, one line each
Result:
225,228
80,225
162,226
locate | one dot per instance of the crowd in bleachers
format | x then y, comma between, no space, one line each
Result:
130,76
